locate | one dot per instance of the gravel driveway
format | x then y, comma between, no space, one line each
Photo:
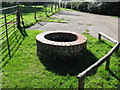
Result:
80,21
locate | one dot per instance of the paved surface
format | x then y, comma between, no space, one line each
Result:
79,22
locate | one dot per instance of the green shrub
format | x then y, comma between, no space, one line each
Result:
107,8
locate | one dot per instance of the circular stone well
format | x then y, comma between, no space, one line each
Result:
60,45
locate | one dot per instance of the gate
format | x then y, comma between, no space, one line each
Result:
11,31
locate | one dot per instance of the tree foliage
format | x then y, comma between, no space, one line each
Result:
108,8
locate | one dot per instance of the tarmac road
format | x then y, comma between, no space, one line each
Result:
80,21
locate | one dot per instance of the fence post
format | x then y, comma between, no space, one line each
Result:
59,5
80,83
117,48
49,6
71,5
7,36
52,7
35,13
18,16
55,6
107,63
62,4
45,7
99,36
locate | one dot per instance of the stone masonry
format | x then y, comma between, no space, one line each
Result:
60,45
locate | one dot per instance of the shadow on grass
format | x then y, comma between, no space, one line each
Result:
69,67
112,74
117,54
103,41
14,40
38,21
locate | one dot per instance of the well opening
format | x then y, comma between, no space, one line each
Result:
61,37
63,51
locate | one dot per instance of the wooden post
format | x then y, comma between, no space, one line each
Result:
65,4
118,30
35,13
80,83
71,5
45,6
55,6
48,5
24,34
99,36
78,6
52,7
62,4
107,63
7,36
59,5
18,16
116,51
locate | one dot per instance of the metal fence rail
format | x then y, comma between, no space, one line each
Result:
10,23
8,8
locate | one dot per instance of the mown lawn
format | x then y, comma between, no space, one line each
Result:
28,14
25,70
14,34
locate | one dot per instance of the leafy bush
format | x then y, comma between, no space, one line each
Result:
107,8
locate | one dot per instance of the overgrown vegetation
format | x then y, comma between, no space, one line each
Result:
25,70
105,8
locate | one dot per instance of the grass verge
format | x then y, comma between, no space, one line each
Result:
28,14
25,70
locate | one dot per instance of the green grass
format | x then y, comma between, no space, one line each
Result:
28,15
70,9
25,70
